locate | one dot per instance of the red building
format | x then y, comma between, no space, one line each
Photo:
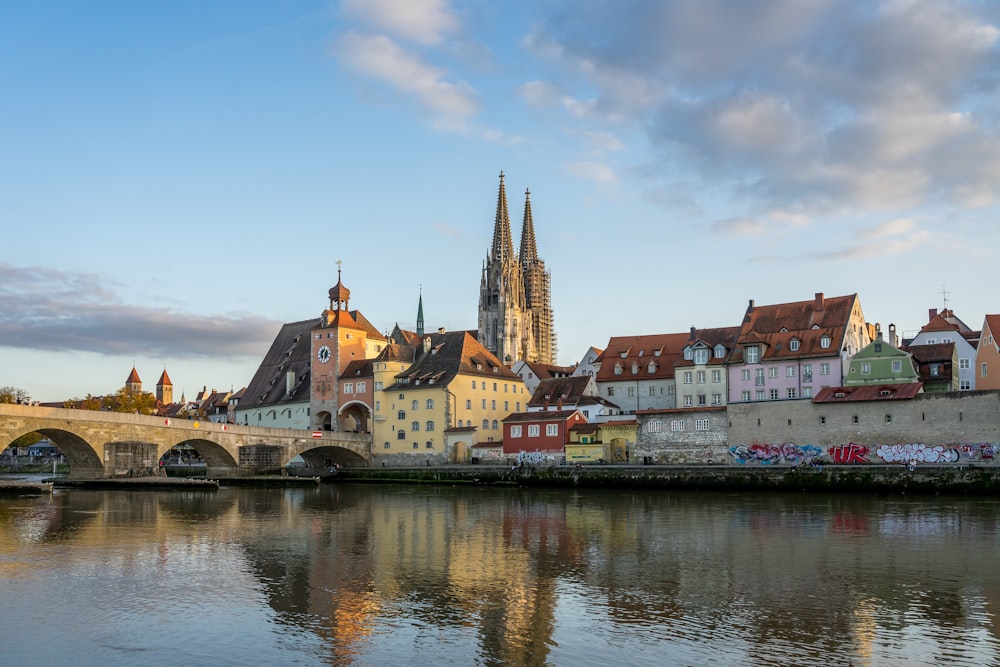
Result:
546,432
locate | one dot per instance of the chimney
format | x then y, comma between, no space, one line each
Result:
931,314
878,331
427,344
820,301
692,333
892,335
440,330
559,404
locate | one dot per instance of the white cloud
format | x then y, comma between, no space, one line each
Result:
379,57
424,22
593,171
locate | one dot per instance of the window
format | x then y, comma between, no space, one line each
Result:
401,414
824,341
348,387
701,424
652,390
935,370
415,426
745,374
964,364
430,403
473,384
429,444
496,424
651,368
897,366
532,430
654,426
611,391
494,386
790,371
791,392
515,431
701,356
716,377
854,419
700,376
385,446
759,377
484,404
506,406
745,396
807,373
486,424
824,369
631,391
468,404
774,394
702,399
378,406
429,426
720,351
716,399
807,392
618,369
378,386
677,425
415,405
964,385
888,419
416,446
759,395
793,344
400,434
866,368
688,353
361,386
551,429
752,354
635,368
772,372
983,369
687,377
688,401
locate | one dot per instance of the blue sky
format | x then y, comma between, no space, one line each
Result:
180,178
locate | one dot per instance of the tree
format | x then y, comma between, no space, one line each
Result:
13,395
141,402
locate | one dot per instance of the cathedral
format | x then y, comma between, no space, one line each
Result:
515,305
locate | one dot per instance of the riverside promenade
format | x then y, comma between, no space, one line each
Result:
977,479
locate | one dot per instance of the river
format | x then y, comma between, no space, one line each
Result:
438,575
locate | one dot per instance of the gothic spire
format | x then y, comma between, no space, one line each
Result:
420,313
503,246
529,253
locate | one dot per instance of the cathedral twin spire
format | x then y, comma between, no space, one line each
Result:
515,312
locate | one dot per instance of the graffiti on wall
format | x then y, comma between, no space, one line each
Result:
533,458
851,453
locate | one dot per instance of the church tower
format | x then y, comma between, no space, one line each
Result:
506,315
165,389
133,384
537,290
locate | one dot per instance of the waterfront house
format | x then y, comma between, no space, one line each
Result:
789,351
880,362
637,372
540,435
987,366
574,393
700,370
936,364
946,327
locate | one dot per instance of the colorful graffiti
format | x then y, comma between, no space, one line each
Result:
850,453
789,453
534,458
919,452
767,454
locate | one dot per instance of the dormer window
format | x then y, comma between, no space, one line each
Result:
825,341
793,344
618,369
720,351
657,352
688,353
635,368
651,368
701,356
752,354
624,354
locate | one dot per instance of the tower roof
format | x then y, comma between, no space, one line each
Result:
529,252
133,377
164,380
338,293
503,246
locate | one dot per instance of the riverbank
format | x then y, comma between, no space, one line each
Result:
24,487
921,479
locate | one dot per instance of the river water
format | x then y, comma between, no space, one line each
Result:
437,575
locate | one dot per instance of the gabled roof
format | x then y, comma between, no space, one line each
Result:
133,377
444,355
544,416
992,322
874,392
359,368
290,352
660,349
548,371
710,338
931,352
806,322
569,390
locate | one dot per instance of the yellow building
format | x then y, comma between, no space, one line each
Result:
453,383
611,441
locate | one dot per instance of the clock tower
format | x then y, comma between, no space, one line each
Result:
336,341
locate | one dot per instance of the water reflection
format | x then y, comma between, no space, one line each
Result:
344,575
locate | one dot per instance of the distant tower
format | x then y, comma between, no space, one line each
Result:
165,389
514,292
420,314
537,290
133,384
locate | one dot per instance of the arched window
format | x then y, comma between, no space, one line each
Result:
429,426
401,414
415,426
651,368
468,404
496,424
486,424
415,405
618,369
824,342
400,434
430,403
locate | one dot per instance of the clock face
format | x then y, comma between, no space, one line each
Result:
323,354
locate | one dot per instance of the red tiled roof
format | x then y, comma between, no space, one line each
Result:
875,392
660,349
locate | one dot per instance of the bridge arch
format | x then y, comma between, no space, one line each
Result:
81,455
355,417
217,458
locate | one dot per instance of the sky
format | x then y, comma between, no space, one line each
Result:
178,179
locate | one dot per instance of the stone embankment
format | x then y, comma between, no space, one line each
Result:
922,479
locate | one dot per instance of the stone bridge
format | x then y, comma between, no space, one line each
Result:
112,444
